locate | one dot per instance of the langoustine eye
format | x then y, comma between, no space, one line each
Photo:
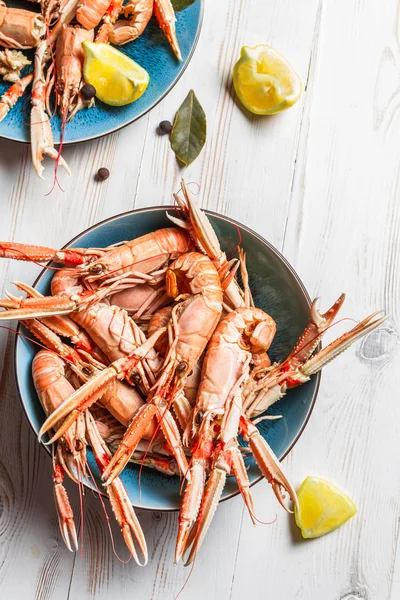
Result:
181,368
97,269
198,418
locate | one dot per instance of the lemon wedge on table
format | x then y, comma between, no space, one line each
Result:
322,507
117,78
264,80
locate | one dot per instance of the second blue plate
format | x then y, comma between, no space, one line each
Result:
151,50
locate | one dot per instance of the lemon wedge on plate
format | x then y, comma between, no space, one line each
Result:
264,80
117,78
322,507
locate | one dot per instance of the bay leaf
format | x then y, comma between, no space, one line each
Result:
189,132
181,4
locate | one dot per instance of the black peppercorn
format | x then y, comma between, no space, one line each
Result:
88,91
165,127
103,174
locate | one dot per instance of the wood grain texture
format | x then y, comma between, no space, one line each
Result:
321,182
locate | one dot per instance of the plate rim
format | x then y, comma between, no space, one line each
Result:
167,207
144,112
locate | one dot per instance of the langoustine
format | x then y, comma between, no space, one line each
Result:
52,386
20,29
238,402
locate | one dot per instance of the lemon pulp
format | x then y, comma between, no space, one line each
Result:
323,507
264,80
117,78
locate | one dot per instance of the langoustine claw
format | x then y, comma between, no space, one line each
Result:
121,505
14,92
137,14
63,506
165,15
42,143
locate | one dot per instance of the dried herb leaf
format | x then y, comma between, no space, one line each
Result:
188,134
181,4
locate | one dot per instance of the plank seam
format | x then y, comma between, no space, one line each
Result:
71,578
141,162
237,552
307,101
393,565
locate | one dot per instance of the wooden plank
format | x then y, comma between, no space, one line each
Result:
36,218
342,234
246,157
101,575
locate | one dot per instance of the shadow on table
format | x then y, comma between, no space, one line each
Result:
11,155
16,161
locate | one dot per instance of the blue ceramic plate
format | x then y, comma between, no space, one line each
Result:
278,291
151,50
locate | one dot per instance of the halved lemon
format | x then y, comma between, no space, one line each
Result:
323,507
117,78
264,80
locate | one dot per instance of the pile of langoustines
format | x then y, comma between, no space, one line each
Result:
166,365
58,65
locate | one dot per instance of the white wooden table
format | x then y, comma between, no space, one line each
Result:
321,182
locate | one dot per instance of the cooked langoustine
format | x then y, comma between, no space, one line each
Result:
110,17
119,499
68,69
42,143
137,14
165,15
193,279
215,421
52,386
95,388
238,411
43,254
193,220
121,400
20,29
143,259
